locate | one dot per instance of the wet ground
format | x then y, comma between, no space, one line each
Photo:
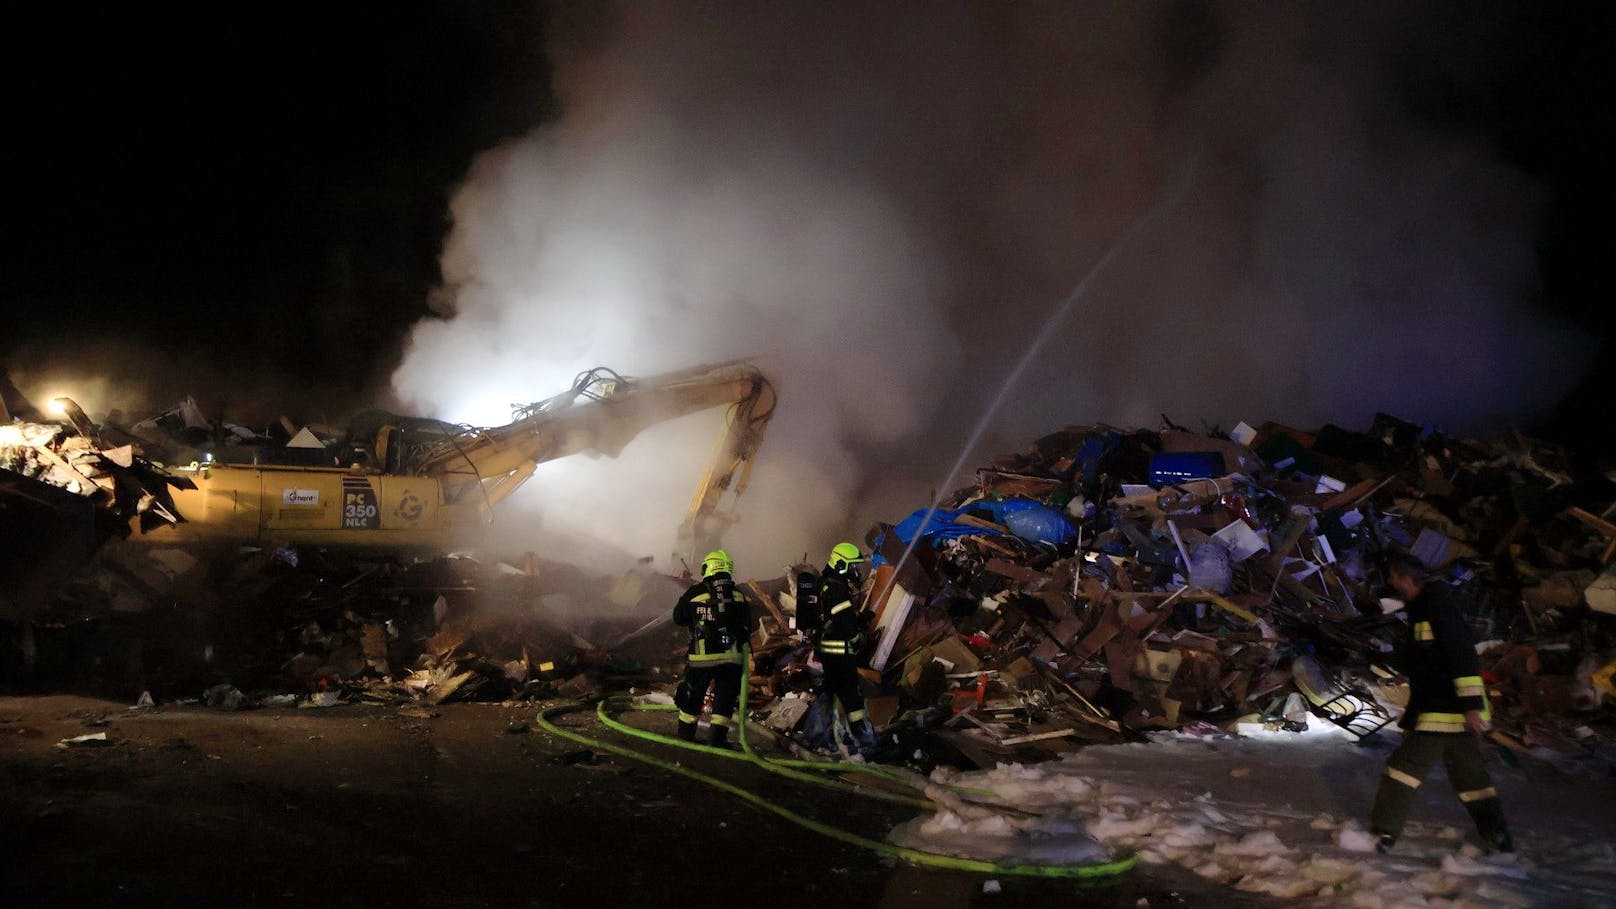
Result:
358,805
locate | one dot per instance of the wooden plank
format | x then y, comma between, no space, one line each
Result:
985,727
1223,604
1596,522
1109,626
1354,494
1037,737
1021,574
1006,483
769,604
972,521
987,543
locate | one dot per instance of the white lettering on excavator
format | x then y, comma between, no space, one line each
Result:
359,508
300,496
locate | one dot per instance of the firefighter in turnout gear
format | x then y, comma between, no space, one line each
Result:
840,634
720,623
1446,717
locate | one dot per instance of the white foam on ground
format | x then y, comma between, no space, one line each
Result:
1283,815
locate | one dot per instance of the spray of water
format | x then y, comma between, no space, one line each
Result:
1168,199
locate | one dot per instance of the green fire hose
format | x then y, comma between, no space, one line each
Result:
793,769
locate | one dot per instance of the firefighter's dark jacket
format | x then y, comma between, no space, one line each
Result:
843,622
1439,656
719,619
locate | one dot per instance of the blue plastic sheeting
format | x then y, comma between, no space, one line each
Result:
942,526
1034,522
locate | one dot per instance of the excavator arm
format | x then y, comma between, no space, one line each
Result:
730,471
602,413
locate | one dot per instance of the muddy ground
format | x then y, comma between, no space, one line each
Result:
361,806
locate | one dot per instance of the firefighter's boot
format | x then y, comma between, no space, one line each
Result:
1489,818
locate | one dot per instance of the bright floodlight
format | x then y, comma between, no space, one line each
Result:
58,406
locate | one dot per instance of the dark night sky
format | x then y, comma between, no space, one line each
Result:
262,192
263,189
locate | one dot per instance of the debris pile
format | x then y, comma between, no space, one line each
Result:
1096,586
65,491
325,627
116,479
1104,583
460,629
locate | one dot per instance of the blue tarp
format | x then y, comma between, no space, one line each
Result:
1034,522
942,526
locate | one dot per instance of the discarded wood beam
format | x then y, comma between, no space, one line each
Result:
1605,527
1222,603
769,604
967,714
1018,573
1594,521
1037,737
982,523
1015,484
1354,494
999,548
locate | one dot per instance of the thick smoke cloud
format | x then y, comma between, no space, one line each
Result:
882,208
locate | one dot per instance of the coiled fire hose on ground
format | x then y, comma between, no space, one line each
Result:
794,769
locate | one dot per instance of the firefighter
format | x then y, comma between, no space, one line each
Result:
1447,713
840,633
720,622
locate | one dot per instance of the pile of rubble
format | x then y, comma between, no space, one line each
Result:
322,628
114,479
1105,583
64,491
1097,586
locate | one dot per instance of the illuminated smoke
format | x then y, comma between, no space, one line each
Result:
882,207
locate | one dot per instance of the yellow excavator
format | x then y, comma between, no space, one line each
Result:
401,483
